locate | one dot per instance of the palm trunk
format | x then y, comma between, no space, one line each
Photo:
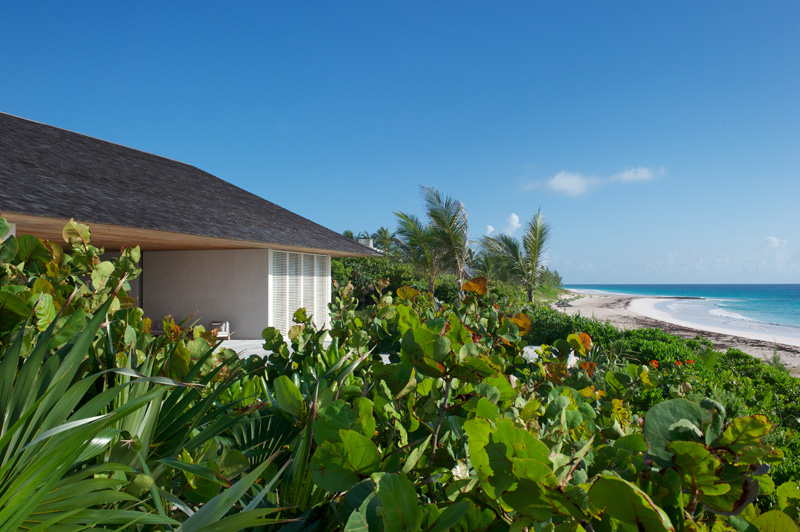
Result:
460,284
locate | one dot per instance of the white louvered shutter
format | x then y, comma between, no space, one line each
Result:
308,288
278,291
323,289
295,285
299,280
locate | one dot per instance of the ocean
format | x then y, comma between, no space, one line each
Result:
763,308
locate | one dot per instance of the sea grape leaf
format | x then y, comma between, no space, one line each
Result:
588,367
486,409
586,340
288,397
766,486
576,344
684,430
418,345
398,378
563,347
30,249
337,466
8,249
660,419
468,350
742,492
556,372
356,522
500,382
400,511
625,502
406,292
451,516
788,495
533,479
774,521
76,234
479,432
13,303
509,332
523,323
715,428
458,332
633,443
406,319
101,274
492,452
45,311
355,497
476,519
520,443
332,417
476,284
745,431
416,453
366,420
698,467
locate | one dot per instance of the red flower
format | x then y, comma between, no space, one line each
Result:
654,364
678,363
690,361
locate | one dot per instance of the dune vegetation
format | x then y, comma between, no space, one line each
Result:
492,413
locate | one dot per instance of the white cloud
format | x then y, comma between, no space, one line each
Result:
774,242
576,184
489,230
572,184
639,173
512,224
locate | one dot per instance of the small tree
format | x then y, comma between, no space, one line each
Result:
521,261
418,246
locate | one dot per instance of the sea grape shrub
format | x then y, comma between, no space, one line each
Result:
39,277
459,427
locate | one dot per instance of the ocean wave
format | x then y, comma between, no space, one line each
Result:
722,313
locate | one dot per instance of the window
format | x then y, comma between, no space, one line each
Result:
298,280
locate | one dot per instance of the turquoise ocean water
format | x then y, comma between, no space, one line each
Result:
764,308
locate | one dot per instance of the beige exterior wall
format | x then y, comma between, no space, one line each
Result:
216,285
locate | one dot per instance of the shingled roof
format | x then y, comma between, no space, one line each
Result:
50,172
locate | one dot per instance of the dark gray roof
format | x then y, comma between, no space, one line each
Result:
48,171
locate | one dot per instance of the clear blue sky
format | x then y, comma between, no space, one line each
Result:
661,139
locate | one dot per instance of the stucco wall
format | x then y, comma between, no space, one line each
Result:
218,285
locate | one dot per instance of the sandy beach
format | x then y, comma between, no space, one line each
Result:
635,312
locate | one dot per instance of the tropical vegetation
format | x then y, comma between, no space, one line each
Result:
439,250
516,262
409,414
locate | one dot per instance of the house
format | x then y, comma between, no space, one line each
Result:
210,249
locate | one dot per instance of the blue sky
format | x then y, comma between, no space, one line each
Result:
661,140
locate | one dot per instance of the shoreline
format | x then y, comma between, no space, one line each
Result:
637,312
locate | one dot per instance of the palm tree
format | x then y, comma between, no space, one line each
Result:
487,265
385,240
448,223
521,261
418,246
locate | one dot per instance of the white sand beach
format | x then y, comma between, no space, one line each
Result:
634,312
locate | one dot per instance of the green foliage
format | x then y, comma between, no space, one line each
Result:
408,414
